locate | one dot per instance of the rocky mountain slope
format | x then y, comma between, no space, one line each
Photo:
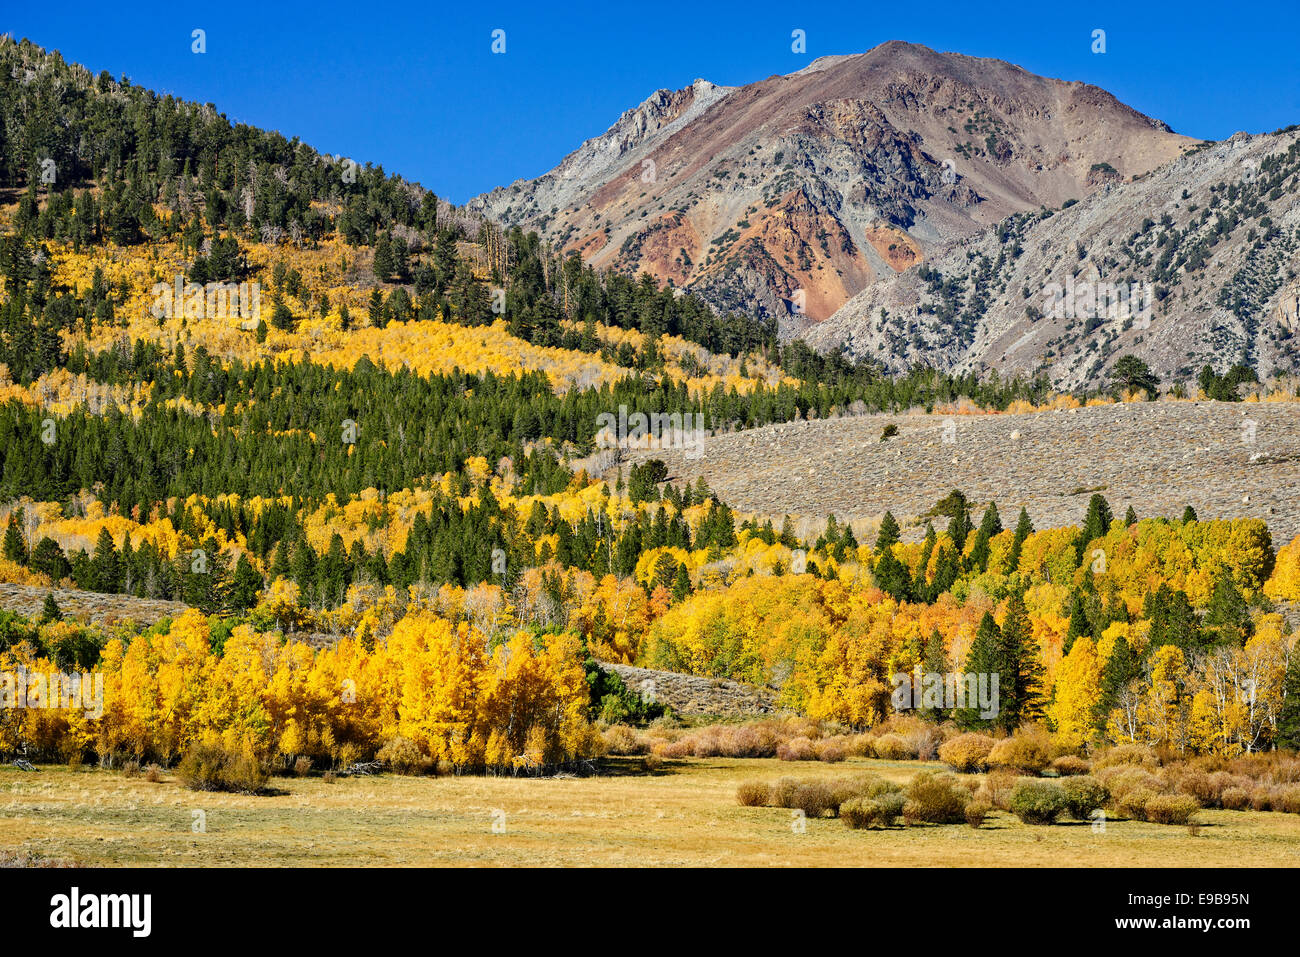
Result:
788,196
1205,248
1225,459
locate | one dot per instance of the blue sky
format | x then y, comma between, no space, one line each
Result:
417,89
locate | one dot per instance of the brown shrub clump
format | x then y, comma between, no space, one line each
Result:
967,752
830,750
797,749
210,767
998,787
976,812
622,740
1029,750
1133,803
1235,799
1171,808
754,794
1069,765
935,799
404,756
1127,754
894,747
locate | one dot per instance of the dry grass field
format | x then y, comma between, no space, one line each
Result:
683,815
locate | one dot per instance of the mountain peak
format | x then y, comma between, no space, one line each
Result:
786,197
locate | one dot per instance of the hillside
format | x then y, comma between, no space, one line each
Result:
1209,241
787,196
1154,456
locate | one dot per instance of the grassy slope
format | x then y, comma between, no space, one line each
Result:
684,815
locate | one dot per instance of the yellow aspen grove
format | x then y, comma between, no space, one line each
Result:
1078,693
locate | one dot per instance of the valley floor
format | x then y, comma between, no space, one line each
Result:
685,814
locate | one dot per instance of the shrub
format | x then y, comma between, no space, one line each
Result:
830,750
329,777
1286,770
302,767
1083,795
131,767
1071,764
894,747
1038,802
783,793
671,750
652,762
1025,751
858,812
976,812
1200,785
967,752
998,786
815,798
860,785
622,740
1261,799
860,745
935,799
753,795
1127,754
211,767
1171,808
1121,779
153,773
1287,799
1235,799
1133,804
880,811
797,749
404,756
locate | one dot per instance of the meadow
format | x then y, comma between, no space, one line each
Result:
684,814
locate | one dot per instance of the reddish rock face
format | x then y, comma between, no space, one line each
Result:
789,196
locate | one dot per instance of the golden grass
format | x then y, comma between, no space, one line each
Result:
684,815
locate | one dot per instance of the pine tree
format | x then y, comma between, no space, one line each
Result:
1024,528
246,587
1227,612
990,525
50,610
1020,669
1288,719
891,577
48,559
960,525
15,549
889,533
681,584
1095,524
1079,624
981,661
383,263
1189,515
1121,667
1130,517
935,662
104,565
